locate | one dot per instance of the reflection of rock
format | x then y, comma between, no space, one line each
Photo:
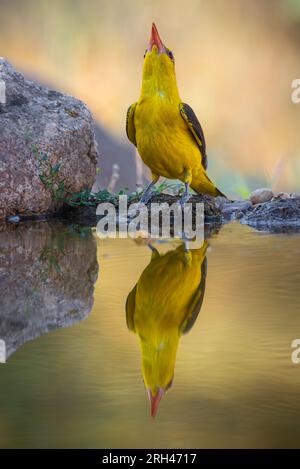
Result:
47,146
47,271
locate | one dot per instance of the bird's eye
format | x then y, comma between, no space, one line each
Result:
169,384
145,53
170,54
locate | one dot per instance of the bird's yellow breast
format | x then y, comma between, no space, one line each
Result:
163,140
164,292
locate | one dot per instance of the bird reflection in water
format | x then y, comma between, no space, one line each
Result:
163,305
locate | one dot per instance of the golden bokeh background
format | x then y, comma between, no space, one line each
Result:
235,63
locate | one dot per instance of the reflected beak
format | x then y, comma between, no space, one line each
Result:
155,400
155,40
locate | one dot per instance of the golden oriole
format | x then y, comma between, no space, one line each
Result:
166,131
163,305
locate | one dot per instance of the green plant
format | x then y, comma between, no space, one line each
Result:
89,198
173,187
49,174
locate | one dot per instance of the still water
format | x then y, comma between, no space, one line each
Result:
80,340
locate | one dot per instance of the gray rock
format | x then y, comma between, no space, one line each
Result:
282,215
211,208
47,271
47,146
14,219
295,195
260,196
235,209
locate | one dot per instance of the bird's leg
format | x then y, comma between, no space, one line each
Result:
187,252
147,194
187,180
153,249
185,197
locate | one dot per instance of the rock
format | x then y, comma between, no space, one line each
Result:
280,215
211,210
87,216
47,146
281,196
14,219
239,215
295,195
47,271
260,196
235,209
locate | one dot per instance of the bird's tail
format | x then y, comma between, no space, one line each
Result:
220,194
206,186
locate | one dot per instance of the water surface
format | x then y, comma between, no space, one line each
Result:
73,375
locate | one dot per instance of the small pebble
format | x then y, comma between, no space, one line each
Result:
260,196
14,219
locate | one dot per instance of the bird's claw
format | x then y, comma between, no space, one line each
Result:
187,258
152,248
147,196
184,199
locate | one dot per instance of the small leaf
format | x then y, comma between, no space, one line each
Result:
55,168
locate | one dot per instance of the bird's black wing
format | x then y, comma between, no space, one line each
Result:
195,128
198,300
130,308
130,128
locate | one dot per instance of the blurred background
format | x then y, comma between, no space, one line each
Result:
235,63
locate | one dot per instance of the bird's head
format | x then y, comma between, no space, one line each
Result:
159,67
158,369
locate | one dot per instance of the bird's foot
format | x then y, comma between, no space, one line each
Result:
144,200
187,258
152,248
184,199
147,196
187,253
185,242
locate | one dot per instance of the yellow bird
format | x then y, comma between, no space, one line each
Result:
163,305
166,131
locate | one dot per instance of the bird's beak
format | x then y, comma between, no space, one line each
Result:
155,400
155,40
